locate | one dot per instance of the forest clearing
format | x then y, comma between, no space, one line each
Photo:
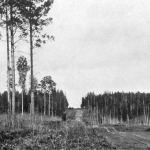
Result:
93,52
51,135
72,134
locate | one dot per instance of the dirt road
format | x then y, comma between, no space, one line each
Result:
126,140
129,138
78,115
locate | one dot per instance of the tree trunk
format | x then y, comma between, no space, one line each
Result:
97,114
110,117
49,105
44,104
13,66
137,114
144,111
52,107
127,111
8,66
60,108
31,59
56,109
22,101
148,114
121,119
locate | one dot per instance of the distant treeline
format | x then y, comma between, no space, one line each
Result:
58,102
117,107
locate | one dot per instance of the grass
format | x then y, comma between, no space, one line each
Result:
51,134
24,121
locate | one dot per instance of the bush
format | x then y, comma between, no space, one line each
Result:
71,114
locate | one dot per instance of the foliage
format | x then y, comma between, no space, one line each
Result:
35,15
23,68
55,135
35,83
58,100
47,84
117,107
71,114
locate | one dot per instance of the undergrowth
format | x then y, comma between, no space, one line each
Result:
53,135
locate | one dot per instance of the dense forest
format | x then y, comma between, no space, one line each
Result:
56,107
118,107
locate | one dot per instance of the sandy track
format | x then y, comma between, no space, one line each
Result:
125,140
78,115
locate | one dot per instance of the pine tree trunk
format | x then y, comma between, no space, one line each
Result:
110,117
8,67
44,104
13,67
55,108
127,112
114,114
22,101
148,115
97,114
52,107
60,108
49,105
137,111
31,59
121,119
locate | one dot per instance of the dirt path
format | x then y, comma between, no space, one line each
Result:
137,140
78,115
125,140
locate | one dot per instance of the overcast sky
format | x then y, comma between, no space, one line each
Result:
100,45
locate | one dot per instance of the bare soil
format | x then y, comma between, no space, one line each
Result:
127,137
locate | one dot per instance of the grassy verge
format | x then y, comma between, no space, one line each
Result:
51,134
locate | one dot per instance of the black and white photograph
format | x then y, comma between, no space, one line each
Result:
74,74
